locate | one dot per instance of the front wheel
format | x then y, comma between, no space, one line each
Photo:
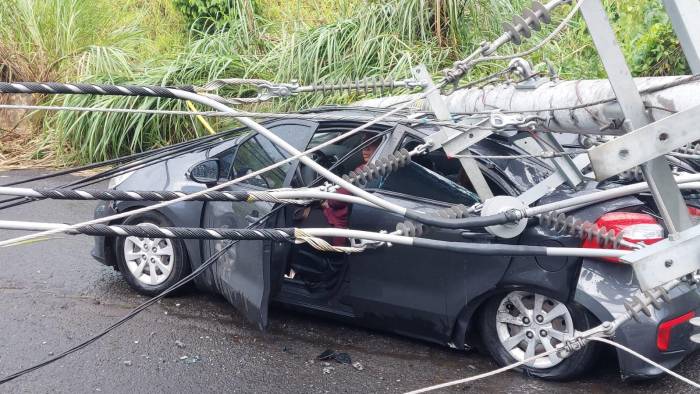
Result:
521,324
150,265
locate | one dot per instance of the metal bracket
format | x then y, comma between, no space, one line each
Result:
677,255
550,183
437,104
657,172
570,171
659,138
666,260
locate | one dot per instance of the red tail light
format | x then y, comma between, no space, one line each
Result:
663,335
635,227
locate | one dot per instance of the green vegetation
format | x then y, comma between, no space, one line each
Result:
174,42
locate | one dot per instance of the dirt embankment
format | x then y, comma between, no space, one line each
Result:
19,134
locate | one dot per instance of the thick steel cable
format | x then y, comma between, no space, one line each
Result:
302,156
288,196
219,114
288,234
146,304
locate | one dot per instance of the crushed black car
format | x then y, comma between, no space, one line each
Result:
510,307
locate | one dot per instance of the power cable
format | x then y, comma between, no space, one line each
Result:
219,114
150,158
483,375
647,360
148,303
300,156
461,67
472,379
198,271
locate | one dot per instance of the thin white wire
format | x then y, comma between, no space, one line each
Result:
483,375
519,363
105,219
645,359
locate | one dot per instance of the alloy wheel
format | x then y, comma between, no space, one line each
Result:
150,260
529,324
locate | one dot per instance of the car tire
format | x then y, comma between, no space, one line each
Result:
502,325
150,266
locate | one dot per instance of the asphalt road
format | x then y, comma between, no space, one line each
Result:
54,295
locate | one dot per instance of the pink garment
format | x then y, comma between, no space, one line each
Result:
337,214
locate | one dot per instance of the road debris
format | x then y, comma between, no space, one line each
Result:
128,363
190,360
179,343
339,357
358,366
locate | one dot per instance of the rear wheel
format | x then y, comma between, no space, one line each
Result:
521,324
150,265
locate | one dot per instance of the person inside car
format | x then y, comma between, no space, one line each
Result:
337,212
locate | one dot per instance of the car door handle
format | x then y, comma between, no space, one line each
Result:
253,217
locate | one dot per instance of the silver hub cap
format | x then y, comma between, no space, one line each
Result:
529,324
150,260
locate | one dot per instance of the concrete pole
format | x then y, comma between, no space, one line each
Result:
589,120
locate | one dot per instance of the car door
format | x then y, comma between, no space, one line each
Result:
242,273
400,288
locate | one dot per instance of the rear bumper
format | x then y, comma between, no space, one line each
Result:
604,287
641,336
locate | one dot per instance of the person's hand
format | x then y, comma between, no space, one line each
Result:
325,205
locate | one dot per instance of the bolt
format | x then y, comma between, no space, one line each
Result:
539,318
529,335
153,260
543,333
509,306
668,263
526,320
143,257
154,249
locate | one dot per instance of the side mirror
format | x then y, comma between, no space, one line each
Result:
206,171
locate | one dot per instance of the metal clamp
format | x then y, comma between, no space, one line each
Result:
501,121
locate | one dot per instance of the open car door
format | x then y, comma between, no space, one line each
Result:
242,273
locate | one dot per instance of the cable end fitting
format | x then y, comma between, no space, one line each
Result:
515,215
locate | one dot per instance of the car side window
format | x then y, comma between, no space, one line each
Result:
255,153
226,162
422,178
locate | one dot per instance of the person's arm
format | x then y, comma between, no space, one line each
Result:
335,204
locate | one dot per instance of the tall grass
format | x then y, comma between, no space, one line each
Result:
87,137
144,42
59,39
